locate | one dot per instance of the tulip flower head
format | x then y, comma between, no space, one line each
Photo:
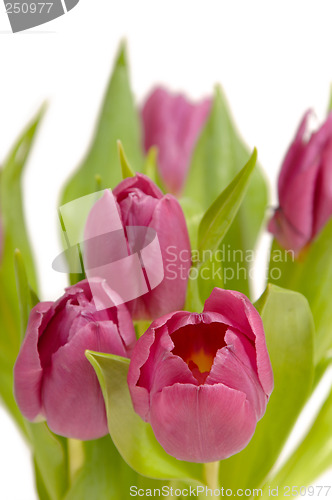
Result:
53,380
141,204
203,380
304,188
173,124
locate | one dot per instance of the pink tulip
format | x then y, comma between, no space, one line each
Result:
53,380
305,188
173,124
141,204
203,380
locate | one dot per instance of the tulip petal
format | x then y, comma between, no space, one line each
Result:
323,195
294,156
230,369
231,309
28,371
220,422
104,237
64,314
140,182
305,196
139,394
294,224
172,370
72,397
184,318
169,223
147,371
173,124
237,311
244,349
137,208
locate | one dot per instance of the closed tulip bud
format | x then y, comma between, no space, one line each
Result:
203,380
141,205
173,124
53,380
304,188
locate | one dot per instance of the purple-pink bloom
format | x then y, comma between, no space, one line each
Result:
141,204
53,380
173,124
304,187
203,380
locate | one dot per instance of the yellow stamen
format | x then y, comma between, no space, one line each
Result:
202,360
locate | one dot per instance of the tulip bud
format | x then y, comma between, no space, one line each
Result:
173,124
53,380
141,204
203,380
304,188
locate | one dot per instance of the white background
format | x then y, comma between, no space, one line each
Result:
272,58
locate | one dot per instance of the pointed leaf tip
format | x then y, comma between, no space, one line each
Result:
126,169
219,216
122,54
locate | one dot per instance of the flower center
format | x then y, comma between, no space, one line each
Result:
197,345
202,359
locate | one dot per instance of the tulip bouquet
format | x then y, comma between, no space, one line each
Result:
155,374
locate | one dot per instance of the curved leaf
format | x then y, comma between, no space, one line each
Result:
103,475
50,457
314,455
219,156
289,334
14,236
310,274
27,298
118,120
219,216
131,435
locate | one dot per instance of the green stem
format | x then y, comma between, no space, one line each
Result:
211,476
75,457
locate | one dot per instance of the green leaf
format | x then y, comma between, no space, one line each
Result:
329,108
289,334
134,438
50,457
11,199
310,274
193,215
14,236
104,474
151,168
49,450
213,228
26,297
314,455
193,298
220,215
219,155
40,486
125,167
118,120
210,275
101,475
